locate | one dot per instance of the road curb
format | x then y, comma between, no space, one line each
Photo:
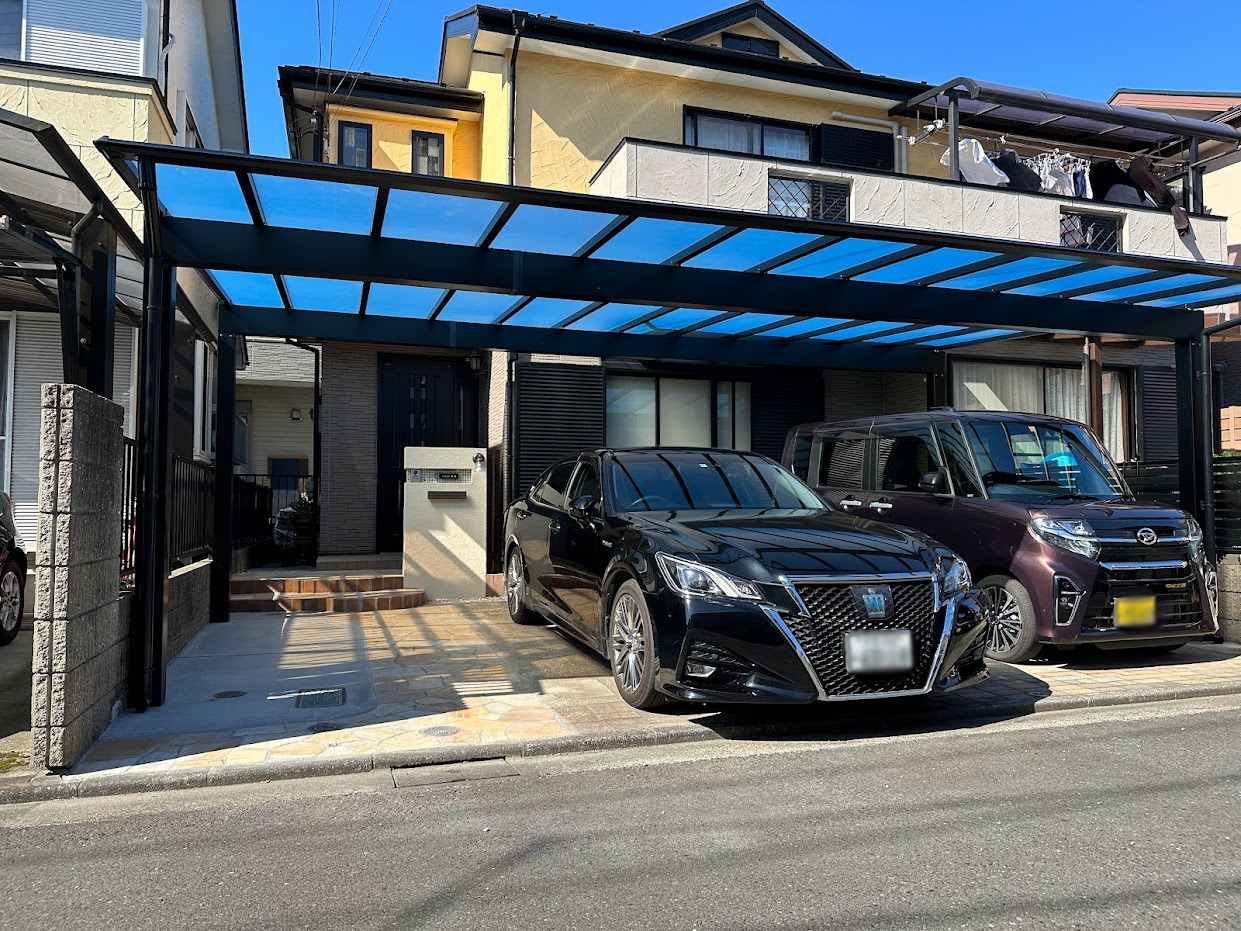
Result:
54,787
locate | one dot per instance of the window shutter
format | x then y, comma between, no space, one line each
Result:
1159,416
559,410
856,148
102,35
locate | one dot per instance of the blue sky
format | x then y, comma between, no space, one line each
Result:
1083,48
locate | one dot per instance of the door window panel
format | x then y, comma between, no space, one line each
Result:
841,460
585,482
960,467
551,491
903,456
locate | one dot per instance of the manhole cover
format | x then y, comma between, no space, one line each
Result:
441,730
320,698
231,693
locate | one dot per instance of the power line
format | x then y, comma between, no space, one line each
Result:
374,37
358,50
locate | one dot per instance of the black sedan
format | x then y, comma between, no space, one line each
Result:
12,573
717,576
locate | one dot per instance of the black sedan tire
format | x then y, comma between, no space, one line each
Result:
515,589
631,648
11,601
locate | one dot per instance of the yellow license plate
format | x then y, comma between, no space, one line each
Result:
1135,611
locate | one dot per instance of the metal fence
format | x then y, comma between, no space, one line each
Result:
258,499
192,515
1160,482
129,512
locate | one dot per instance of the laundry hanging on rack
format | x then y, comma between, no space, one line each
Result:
1143,174
974,164
1020,177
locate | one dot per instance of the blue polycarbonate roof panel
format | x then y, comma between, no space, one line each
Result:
741,323
800,328
1134,292
201,193
977,336
546,312
929,263
249,288
652,241
476,306
612,317
398,300
1221,295
1109,274
1013,271
840,257
681,318
302,203
749,248
458,221
913,336
875,328
550,230
324,294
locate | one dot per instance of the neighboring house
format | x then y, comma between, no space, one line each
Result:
740,110
164,71
275,414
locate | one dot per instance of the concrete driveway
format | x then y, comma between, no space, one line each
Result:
15,661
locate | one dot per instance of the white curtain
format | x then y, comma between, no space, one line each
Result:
784,142
716,132
1065,395
684,412
630,411
1115,416
987,386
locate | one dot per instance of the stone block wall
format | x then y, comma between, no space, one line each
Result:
81,650
189,605
1230,598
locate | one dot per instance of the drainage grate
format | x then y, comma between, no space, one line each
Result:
320,698
231,693
441,730
322,728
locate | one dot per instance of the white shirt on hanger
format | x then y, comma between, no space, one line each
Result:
975,166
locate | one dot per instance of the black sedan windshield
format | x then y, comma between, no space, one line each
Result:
678,480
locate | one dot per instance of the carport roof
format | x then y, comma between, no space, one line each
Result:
323,251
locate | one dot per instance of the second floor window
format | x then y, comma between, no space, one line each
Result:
428,155
355,145
748,135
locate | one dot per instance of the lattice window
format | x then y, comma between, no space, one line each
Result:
811,200
1090,231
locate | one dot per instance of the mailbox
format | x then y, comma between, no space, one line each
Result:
445,521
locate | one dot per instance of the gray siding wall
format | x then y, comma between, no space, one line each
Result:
272,433
871,394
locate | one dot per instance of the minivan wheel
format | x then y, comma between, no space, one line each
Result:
631,648
11,602
515,589
1012,637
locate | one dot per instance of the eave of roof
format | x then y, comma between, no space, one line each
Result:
375,87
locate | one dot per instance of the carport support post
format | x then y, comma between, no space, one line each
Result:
1189,450
1206,445
1092,375
225,436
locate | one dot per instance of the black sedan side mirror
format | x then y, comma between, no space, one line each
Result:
580,508
936,483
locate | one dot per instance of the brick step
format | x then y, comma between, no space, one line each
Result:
329,603
315,584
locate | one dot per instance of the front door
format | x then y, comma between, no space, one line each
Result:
422,402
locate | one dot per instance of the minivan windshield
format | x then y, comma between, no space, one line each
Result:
1041,462
692,480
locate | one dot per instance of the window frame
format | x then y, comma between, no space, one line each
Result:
205,375
726,37
414,135
341,126
689,135
712,402
923,430
534,493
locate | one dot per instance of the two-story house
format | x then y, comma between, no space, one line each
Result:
741,110
164,71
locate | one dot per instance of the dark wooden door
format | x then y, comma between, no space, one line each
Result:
421,403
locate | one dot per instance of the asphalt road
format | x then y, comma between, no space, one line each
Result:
1120,818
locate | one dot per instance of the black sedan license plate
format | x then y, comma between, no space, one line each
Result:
877,651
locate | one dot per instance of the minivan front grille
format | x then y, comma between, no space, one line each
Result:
834,610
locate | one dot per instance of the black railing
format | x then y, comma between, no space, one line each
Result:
129,512
193,509
1160,482
258,500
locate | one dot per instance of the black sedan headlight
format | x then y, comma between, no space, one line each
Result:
686,577
954,576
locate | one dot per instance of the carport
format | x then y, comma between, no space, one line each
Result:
314,251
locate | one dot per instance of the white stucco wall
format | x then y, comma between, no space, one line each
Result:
685,175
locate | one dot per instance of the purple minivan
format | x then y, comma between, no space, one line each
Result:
1038,511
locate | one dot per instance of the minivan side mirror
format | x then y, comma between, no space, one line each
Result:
936,483
580,508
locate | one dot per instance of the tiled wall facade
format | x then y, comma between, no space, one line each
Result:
350,384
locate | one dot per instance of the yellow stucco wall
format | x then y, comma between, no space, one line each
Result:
572,114
391,147
1221,192
489,77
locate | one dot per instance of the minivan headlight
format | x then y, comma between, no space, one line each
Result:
1076,536
696,580
955,576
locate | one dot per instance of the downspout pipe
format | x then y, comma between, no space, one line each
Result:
315,416
519,22
899,151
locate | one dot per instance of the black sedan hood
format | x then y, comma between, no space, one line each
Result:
769,543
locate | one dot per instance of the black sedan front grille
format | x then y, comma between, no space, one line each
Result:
834,610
